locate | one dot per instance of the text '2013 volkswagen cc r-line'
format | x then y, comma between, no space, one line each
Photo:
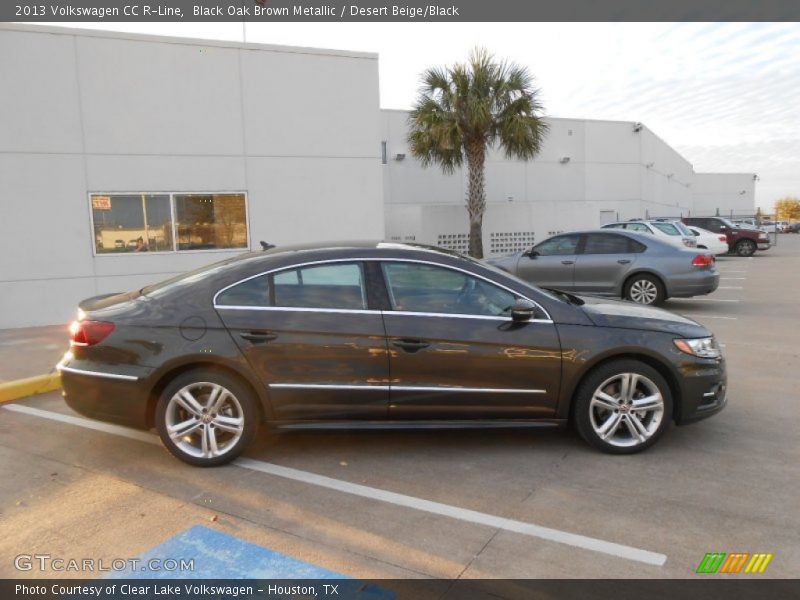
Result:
380,335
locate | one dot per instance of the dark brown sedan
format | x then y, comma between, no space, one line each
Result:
381,334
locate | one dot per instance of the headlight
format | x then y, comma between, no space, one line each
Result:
702,347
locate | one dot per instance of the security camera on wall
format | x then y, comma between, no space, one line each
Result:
637,127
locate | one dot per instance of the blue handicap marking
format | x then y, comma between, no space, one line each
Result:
217,555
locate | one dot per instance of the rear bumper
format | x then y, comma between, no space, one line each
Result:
98,393
704,388
697,283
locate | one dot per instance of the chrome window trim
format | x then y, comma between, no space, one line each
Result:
375,259
61,367
405,388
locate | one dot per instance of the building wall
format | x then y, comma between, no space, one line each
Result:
84,112
613,172
726,194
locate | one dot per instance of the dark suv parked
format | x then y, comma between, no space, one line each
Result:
743,242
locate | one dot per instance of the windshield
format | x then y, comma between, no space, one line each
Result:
727,223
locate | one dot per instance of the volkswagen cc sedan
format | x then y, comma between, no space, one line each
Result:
381,335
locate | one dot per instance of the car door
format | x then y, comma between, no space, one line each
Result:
551,263
314,341
455,352
603,263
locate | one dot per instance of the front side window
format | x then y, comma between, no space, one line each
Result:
339,285
144,222
431,289
131,223
557,246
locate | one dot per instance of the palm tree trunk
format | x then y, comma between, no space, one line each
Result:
476,196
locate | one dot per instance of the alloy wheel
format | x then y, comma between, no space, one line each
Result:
204,420
626,410
643,291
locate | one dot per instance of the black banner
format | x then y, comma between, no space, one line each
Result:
401,10
711,588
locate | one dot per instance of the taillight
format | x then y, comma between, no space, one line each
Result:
703,260
89,333
722,238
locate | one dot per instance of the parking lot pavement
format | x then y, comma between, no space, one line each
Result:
462,503
30,351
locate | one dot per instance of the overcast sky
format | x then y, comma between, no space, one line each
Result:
725,95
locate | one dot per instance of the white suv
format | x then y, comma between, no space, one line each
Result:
672,232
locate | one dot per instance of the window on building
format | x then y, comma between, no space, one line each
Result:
144,222
131,223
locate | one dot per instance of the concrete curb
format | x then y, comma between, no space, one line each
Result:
30,386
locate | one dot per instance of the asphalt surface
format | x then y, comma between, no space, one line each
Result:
727,484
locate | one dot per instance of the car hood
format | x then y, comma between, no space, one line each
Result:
628,315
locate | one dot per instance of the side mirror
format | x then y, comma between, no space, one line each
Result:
531,253
522,310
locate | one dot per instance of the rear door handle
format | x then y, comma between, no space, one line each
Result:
258,337
567,262
623,261
410,345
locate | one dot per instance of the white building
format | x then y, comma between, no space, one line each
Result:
125,159
205,147
587,174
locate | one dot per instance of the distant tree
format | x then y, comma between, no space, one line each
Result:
468,108
787,209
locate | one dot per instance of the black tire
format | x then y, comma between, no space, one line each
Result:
588,416
745,248
230,435
645,289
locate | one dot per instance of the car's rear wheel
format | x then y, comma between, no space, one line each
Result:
745,247
623,407
645,289
206,418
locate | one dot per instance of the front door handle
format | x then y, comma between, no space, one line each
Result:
410,345
623,261
258,337
567,262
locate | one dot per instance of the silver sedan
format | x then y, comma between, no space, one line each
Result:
625,264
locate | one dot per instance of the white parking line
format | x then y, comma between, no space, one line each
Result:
732,278
712,300
698,316
437,508
730,287
730,271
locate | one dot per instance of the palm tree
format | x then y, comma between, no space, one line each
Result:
466,109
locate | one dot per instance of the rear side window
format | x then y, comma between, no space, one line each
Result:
604,243
253,292
640,227
339,285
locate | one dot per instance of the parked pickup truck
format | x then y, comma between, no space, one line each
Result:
741,241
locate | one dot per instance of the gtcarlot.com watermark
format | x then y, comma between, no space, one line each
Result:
47,562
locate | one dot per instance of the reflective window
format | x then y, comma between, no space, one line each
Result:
131,223
210,221
431,289
253,292
338,285
562,244
144,222
640,227
606,243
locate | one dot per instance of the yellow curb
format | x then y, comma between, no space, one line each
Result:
21,388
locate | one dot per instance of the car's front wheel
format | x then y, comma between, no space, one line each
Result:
645,289
745,248
622,407
206,418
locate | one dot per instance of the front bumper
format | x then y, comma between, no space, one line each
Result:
764,245
704,387
95,391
